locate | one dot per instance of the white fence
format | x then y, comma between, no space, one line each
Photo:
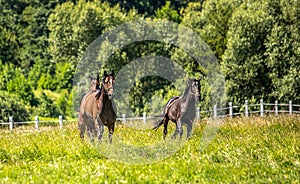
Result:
36,122
249,109
230,111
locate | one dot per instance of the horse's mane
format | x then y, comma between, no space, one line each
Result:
99,90
170,102
98,94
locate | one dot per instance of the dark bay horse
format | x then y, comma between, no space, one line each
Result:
97,109
181,110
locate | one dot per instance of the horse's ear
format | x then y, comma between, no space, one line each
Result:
202,77
105,73
190,81
113,73
98,78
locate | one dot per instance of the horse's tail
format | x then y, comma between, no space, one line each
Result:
158,125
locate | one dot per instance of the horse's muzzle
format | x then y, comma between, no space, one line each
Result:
110,95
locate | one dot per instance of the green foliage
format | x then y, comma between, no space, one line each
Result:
46,106
241,152
64,103
146,7
6,74
211,20
256,42
74,26
243,61
46,82
149,8
52,104
166,12
20,86
282,51
24,31
260,60
63,76
10,105
14,82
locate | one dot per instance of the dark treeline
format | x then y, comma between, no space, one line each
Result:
256,42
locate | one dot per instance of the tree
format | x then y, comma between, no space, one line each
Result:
166,12
46,106
24,36
248,75
211,19
282,51
145,7
13,81
74,26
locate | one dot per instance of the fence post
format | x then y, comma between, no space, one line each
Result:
261,107
36,122
144,117
230,109
246,108
60,121
290,107
276,108
198,113
215,112
11,123
124,118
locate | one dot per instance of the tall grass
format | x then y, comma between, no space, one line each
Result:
245,150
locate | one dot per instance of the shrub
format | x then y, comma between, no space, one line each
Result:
10,105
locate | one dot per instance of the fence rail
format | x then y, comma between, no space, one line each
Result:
217,112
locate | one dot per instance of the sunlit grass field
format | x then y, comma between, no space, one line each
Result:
245,150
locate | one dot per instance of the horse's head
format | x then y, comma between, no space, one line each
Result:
94,83
195,86
108,81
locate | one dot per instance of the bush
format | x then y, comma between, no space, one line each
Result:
46,107
10,105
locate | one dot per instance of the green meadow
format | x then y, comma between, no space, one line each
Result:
244,150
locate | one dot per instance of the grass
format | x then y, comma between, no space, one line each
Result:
245,150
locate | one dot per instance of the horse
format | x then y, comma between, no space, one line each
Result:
94,83
97,109
181,110
94,86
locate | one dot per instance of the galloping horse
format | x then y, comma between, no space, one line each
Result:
97,109
181,110
94,83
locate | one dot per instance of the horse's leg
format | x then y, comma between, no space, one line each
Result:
87,123
189,127
101,128
165,121
81,126
111,130
82,130
98,128
180,132
178,129
90,129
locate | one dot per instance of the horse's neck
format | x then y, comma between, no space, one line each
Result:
188,99
102,93
186,95
104,97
